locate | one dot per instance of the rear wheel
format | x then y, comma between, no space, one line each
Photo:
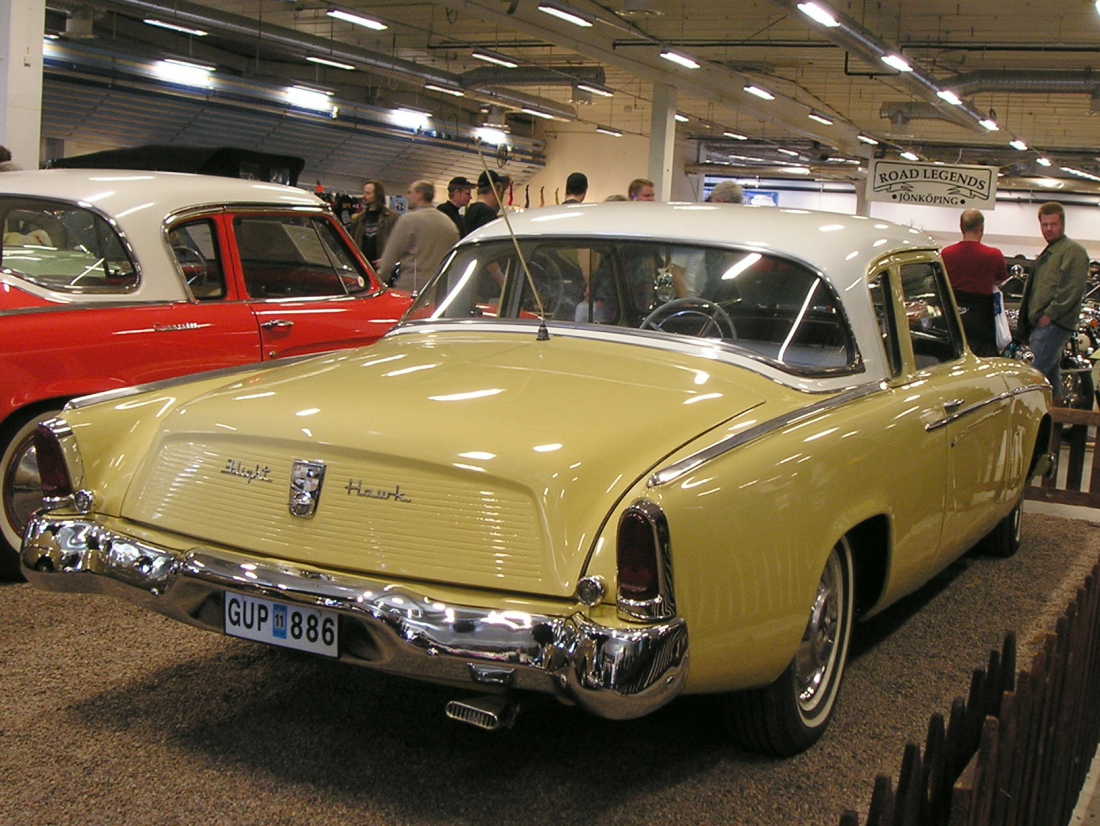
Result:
20,486
1004,539
788,716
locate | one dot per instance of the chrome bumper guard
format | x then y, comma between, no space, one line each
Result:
616,673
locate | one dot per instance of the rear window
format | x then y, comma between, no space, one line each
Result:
778,308
64,247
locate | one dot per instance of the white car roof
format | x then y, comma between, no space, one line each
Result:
139,202
842,246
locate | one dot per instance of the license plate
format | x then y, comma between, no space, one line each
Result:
275,623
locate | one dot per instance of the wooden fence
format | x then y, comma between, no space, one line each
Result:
1017,750
1068,485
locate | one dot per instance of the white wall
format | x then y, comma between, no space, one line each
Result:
610,163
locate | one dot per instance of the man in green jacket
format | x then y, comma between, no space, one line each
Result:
1051,302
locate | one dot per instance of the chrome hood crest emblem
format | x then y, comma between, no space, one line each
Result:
306,479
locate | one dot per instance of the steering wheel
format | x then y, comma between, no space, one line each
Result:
712,320
196,269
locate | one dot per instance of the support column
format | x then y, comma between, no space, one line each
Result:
22,27
662,139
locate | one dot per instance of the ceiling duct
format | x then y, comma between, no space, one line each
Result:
1024,81
78,24
227,24
484,77
849,35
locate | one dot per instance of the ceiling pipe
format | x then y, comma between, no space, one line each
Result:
225,23
531,76
851,36
1039,81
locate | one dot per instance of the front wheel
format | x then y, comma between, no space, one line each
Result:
788,716
20,487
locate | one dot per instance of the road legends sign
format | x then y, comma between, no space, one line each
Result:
926,184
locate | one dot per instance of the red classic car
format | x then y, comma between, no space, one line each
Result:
111,278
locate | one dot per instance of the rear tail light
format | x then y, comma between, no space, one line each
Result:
54,473
639,575
645,581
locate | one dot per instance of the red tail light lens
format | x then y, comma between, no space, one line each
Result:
52,469
638,558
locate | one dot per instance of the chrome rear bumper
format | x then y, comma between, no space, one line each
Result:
617,673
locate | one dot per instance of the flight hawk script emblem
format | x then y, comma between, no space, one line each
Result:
305,488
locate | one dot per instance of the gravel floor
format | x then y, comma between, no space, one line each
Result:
112,715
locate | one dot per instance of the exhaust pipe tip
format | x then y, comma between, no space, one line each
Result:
491,712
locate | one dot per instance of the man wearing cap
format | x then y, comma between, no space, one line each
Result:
459,191
490,188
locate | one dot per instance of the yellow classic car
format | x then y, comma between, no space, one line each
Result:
614,453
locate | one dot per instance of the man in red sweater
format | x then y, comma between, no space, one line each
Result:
973,269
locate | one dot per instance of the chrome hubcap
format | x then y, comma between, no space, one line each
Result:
816,654
22,486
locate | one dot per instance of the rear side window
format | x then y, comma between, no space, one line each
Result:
194,246
295,256
64,247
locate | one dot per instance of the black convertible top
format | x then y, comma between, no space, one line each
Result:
228,162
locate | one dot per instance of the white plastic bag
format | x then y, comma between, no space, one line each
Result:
1000,321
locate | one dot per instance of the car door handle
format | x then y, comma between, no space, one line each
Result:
953,404
276,324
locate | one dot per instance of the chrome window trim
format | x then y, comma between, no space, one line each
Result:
122,237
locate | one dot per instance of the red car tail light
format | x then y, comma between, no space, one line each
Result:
54,473
645,581
639,576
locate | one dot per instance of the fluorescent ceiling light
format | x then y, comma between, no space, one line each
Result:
680,59
909,156
737,136
567,14
537,113
183,73
790,152
307,98
595,89
607,130
681,118
174,27
458,93
493,57
763,94
1045,161
820,118
867,139
990,124
357,19
1017,144
795,170
896,62
336,64
188,64
820,14
410,118
1080,173
949,96
493,137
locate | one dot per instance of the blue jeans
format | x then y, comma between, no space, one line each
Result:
1047,344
